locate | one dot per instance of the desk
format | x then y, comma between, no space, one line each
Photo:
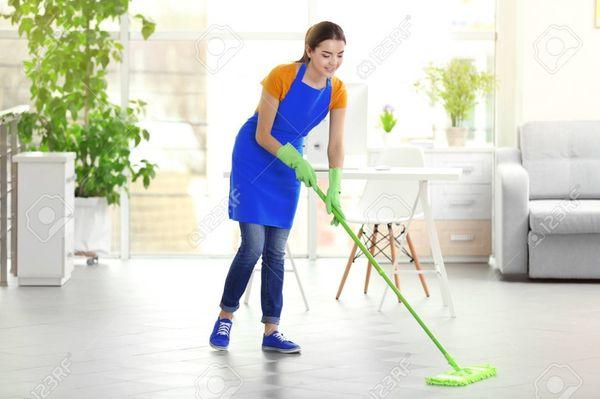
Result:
423,175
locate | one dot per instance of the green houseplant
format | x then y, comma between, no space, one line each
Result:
70,54
387,121
457,85
387,118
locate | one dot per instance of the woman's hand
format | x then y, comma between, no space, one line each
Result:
333,194
292,158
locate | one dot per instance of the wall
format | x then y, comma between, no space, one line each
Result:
548,63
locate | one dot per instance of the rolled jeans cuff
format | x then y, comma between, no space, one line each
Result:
270,320
229,309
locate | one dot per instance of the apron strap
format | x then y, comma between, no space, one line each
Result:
300,75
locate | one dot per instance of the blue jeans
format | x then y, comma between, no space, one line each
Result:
257,240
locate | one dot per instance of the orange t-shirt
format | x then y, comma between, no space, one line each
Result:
279,81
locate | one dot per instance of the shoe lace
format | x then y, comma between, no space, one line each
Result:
279,336
223,328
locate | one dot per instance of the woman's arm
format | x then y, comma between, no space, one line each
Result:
287,153
335,148
267,109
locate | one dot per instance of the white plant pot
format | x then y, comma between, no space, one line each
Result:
93,226
386,139
456,136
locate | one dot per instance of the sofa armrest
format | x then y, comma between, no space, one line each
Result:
511,213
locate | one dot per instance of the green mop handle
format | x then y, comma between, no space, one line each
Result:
364,249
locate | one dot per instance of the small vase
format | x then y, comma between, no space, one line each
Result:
457,136
386,138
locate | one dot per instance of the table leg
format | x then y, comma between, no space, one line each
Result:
435,247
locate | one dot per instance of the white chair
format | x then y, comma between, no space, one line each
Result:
293,270
391,205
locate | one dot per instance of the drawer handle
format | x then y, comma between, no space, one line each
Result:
462,237
467,170
461,202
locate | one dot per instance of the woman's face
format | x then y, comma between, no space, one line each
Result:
328,56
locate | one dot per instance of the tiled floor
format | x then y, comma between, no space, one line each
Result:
140,330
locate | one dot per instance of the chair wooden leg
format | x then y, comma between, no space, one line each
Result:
415,257
394,256
348,265
372,250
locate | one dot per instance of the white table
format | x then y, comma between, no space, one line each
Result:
423,175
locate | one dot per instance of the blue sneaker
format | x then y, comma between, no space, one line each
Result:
219,339
277,342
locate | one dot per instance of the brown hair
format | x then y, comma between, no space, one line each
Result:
318,33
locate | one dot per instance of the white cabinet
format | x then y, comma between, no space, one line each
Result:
46,200
463,209
476,165
461,201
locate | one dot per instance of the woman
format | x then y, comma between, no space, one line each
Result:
267,168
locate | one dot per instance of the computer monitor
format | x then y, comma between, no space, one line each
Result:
355,129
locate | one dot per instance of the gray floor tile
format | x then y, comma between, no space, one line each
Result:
139,329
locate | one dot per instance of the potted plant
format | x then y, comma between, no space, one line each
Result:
387,122
69,56
457,85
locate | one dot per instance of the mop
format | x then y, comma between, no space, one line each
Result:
458,375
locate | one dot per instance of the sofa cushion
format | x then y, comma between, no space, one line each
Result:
565,256
562,157
564,216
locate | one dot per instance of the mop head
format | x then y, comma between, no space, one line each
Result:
464,376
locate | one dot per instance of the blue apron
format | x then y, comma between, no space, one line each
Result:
262,189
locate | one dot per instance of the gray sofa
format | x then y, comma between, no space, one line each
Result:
547,202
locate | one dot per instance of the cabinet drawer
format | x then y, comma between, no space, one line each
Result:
462,201
465,237
418,234
457,237
476,167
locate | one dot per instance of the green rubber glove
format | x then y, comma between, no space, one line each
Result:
333,193
290,156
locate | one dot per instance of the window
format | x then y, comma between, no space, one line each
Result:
194,112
